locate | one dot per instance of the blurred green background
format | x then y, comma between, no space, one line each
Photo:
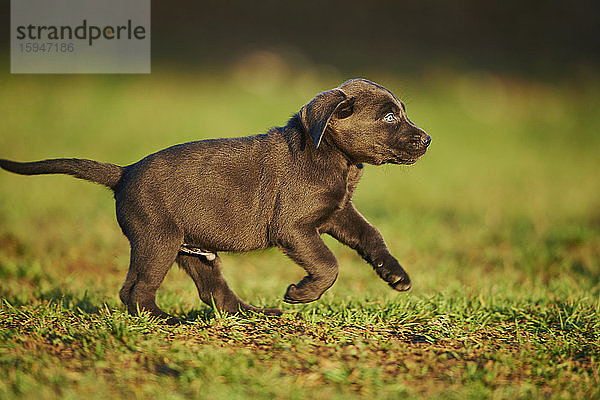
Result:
510,182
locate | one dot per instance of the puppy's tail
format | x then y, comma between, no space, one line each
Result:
94,171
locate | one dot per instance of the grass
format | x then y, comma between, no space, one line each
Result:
498,225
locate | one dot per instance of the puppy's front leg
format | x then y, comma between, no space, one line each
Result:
306,248
351,228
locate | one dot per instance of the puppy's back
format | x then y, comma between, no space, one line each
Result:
221,193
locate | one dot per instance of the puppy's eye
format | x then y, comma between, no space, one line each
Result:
390,117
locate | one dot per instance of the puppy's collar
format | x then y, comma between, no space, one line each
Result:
196,251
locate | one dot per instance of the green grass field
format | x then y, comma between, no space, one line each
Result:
498,226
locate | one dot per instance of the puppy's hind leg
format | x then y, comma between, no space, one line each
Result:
212,286
130,280
150,262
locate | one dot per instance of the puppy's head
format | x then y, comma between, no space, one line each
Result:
366,122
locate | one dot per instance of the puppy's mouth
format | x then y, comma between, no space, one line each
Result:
404,158
402,161
398,157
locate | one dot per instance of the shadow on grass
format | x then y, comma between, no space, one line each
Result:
69,301
204,315
207,314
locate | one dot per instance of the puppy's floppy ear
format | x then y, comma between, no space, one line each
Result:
345,108
316,114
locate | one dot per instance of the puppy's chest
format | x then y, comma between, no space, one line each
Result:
352,179
341,193
316,197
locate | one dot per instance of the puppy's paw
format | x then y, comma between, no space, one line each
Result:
243,308
173,321
390,271
300,294
271,312
402,284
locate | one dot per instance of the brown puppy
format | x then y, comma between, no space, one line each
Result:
284,188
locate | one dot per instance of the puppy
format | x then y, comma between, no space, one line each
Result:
284,188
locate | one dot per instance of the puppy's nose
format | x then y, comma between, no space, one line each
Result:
426,139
